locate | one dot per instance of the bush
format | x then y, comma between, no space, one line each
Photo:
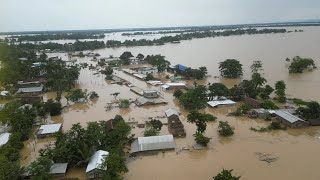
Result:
93,95
149,77
201,139
269,105
224,129
76,95
54,108
124,103
226,175
151,132
178,93
156,124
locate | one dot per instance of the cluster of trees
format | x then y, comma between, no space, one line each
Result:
158,61
230,68
299,64
21,119
200,120
310,111
90,45
77,145
270,127
58,36
194,98
153,128
226,175
124,103
76,95
198,74
224,129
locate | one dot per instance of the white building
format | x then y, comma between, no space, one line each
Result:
152,143
48,130
4,138
94,168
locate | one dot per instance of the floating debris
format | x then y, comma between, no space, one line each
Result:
198,147
269,158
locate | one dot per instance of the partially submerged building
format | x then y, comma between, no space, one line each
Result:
153,143
258,113
170,86
142,101
94,167
151,94
219,103
289,119
4,138
48,130
36,90
146,70
58,169
175,126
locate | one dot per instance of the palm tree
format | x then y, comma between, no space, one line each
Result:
84,154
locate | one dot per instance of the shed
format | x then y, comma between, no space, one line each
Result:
171,113
153,143
217,103
150,93
48,130
142,101
94,169
4,138
181,67
58,169
289,119
175,126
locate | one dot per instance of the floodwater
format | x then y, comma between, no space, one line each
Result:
296,149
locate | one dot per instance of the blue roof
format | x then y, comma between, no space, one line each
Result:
181,67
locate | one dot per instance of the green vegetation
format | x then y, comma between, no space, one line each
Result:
256,67
40,168
201,139
230,68
149,77
224,129
93,95
242,110
280,87
46,37
77,145
217,89
158,61
150,132
226,175
76,95
267,104
124,103
270,127
178,93
200,119
310,111
298,64
156,124
194,98
53,108
125,57
194,73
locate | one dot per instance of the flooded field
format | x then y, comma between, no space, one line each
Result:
296,149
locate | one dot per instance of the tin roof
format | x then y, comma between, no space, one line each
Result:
170,112
30,89
58,168
96,161
287,116
181,67
4,138
153,143
221,102
49,129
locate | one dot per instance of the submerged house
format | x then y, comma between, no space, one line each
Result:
258,113
153,143
146,70
151,94
252,102
94,167
174,86
48,130
175,126
222,102
289,119
142,101
58,169
35,90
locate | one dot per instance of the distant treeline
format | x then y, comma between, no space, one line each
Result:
91,45
45,37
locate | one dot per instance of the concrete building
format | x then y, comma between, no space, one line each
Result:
48,130
94,168
289,119
153,143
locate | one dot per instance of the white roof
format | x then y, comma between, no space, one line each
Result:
221,102
153,143
96,161
4,138
141,76
4,93
176,84
170,112
155,83
49,128
288,116
58,168
30,89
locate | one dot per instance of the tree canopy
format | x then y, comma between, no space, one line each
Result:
299,64
230,68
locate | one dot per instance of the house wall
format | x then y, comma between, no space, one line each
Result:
297,124
95,174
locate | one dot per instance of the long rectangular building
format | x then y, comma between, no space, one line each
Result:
153,143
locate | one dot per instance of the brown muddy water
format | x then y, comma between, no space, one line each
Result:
296,149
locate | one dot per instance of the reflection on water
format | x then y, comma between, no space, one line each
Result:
296,148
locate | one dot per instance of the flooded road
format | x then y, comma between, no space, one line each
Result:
296,149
